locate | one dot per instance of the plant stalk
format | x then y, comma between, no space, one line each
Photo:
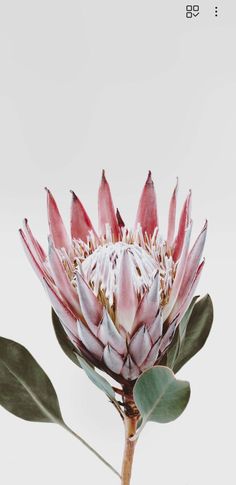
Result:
130,429
67,428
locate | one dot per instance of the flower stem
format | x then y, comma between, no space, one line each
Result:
130,429
67,428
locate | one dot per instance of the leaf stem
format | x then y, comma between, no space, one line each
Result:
130,430
67,428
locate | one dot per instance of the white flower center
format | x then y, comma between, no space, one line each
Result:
101,268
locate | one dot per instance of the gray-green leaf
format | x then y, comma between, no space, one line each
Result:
27,392
96,378
63,339
185,320
196,333
25,389
174,348
159,396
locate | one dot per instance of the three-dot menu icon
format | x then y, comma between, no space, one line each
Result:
193,11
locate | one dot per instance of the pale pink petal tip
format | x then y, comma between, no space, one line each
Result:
185,219
176,188
112,359
140,345
81,224
90,306
34,261
109,334
192,264
33,243
147,209
187,300
106,211
172,216
56,225
90,342
179,272
130,370
151,358
149,305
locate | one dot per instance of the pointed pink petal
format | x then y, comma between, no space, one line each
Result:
191,274
62,281
140,345
33,249
169,335
65,315
90,306
109,334
182,305
106,211
34,243
183,224
56,225
149,305
147,209
126,301
172,216
80,222
193,261
179,273
112,359
35,263
90,342
156,328
151,358
130,371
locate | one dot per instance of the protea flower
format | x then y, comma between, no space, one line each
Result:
119,293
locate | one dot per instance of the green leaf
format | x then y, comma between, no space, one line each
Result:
173,350
97,379
27,392
159,396
196,333
185,320
25,389
63,339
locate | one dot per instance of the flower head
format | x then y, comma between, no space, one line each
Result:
119,293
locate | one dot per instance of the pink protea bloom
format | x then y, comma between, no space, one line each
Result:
119,293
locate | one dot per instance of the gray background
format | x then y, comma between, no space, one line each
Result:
126,86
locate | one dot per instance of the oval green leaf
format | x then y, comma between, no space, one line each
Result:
63,340
27,392
159,396
25,389
196,332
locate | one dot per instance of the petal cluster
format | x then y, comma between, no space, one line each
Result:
119,292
